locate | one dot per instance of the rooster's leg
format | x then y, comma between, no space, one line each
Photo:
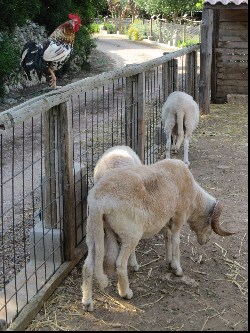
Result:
53,78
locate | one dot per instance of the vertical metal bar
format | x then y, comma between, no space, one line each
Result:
141,115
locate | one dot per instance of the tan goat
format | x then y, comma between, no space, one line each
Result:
139,202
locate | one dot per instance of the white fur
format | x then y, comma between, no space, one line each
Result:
180,117
113,158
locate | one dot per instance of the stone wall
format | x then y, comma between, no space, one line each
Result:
30,31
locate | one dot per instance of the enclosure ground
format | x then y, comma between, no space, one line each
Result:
162,302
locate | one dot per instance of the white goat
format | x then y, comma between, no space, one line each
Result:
180,117
139,202
113,158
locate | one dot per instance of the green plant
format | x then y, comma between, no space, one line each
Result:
187,42
94,27
15,13
137,30
9,58
111,27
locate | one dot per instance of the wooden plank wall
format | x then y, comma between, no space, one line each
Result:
231,54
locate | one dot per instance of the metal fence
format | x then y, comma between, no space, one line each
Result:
49,146
172,34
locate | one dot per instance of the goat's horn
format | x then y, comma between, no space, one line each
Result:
215,220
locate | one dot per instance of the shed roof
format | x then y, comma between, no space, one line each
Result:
226,2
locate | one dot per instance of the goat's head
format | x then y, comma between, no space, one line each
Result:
210,223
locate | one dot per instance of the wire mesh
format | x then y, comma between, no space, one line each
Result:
123,111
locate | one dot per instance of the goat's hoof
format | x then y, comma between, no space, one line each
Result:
178,272
87,305
128,294
136,267
104,282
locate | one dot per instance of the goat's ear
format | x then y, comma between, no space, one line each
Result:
215,220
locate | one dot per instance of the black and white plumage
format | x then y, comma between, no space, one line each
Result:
44,59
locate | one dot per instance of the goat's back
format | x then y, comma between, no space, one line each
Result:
115,157
155,190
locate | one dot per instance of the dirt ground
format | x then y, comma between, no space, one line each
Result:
162,302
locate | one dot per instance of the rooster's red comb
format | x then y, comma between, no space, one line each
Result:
75,17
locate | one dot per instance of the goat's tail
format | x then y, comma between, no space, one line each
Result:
97,229
180,130
180,122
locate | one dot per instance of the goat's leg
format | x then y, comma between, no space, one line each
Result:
127,248
186,147
168,144
133,262
174,139
87,278
168,244
175,263
179,140
111,251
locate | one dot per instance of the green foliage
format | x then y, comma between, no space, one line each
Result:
166,7
9,58
188,42
137,30
95,27
110,27
84,44
15,13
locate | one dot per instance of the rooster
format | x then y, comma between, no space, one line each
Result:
46,58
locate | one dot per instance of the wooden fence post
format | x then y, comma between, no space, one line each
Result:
135,113
165,80
65,142
175,74
130,113
191,78
205,60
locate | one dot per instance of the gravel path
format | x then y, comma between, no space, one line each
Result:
124,51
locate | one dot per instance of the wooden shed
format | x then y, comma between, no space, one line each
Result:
224,51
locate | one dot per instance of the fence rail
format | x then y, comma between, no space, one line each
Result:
49,146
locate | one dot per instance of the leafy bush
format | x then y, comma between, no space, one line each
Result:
111,27
9,58
15,13
137,30
187,42
95,27
84,44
